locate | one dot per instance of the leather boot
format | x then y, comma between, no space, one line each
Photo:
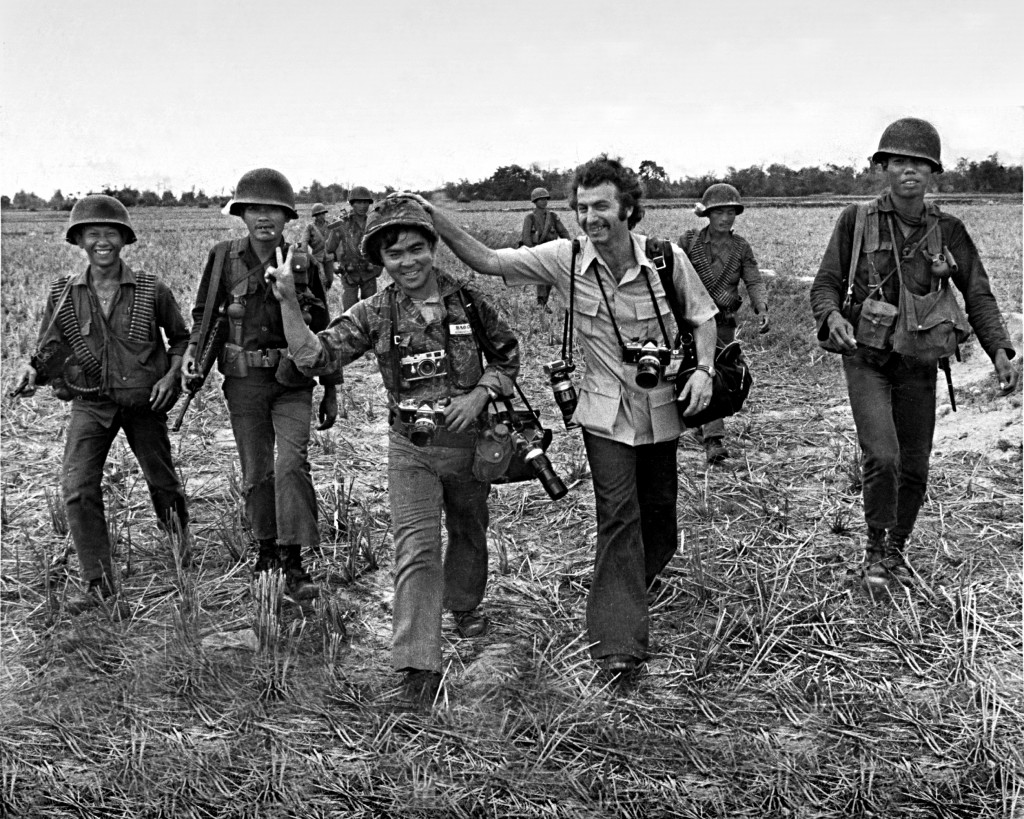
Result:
298,582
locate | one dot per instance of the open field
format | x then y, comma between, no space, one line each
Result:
773,688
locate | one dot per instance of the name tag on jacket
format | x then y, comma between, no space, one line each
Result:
460,330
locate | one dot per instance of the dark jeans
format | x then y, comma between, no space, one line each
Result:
91,431
356,291
279,497
635,489
893,406
725,323
421,482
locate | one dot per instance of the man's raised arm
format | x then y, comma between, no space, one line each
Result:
475,254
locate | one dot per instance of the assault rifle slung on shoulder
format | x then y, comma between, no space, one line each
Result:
204,363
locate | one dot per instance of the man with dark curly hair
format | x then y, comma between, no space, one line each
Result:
630,432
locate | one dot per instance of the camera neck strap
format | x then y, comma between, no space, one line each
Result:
567,322
664,264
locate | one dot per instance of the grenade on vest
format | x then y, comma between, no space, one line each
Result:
561,385
943,264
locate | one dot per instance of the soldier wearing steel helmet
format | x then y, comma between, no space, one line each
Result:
425,474
887,257
119,376
269,400
542,225
315,237
358,275
723,258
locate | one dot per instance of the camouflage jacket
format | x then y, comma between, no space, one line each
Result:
343,242
367,326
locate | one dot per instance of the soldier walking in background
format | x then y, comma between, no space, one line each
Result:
315,238
881,298
269,400
119,376
423,318
542,225
722,258
358,276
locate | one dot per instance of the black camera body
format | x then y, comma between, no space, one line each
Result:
650,358
424,417
559,373
423,365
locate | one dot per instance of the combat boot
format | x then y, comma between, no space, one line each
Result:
895,563
299,584
268,559
873,570
98,595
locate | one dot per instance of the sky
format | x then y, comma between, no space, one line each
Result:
192,94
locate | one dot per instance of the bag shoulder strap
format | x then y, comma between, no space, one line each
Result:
858,242
396,384
659,251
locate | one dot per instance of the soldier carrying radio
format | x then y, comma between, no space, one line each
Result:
268,399
423,329
101,347
358,275
881,298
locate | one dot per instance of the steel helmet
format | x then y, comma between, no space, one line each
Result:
719,195
319,208
263,186
394,210
910,137
99,209
539,193
359,193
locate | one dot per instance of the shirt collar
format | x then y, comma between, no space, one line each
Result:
125,276
885,205
588,255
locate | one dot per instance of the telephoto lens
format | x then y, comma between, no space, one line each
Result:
534,457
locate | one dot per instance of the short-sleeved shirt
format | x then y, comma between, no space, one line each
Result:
611,405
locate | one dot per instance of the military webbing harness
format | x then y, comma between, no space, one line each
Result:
717,286
141,317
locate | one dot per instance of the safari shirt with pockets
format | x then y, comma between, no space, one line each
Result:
828,291
611,405
367,326
151,362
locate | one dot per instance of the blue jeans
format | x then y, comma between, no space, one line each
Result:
893,402
91,431
279,498
421,482
635,489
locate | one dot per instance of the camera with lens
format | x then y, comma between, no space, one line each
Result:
533,456
559,373
424,417
424,365
650,358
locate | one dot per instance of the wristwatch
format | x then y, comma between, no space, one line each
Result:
492,393
708,368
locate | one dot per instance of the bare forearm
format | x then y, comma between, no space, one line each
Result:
295,330
474,253
705,336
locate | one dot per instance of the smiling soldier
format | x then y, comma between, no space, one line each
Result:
120,377
424,330
881,298
268,399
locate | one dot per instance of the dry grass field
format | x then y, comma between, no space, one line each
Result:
773,689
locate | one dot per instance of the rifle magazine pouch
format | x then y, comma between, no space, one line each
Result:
876,324
232,362
930,326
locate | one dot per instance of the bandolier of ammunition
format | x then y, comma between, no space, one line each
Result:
717,286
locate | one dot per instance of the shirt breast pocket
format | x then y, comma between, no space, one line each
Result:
587,310
647,321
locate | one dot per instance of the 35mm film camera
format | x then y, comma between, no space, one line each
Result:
559,373
423,365
425,417
653,362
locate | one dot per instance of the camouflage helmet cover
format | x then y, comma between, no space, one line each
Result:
910,137
263,186
389,212
719,195
539,193
319,208
359,193
99,209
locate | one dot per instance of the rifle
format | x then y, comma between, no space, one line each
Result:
204,363
944,366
